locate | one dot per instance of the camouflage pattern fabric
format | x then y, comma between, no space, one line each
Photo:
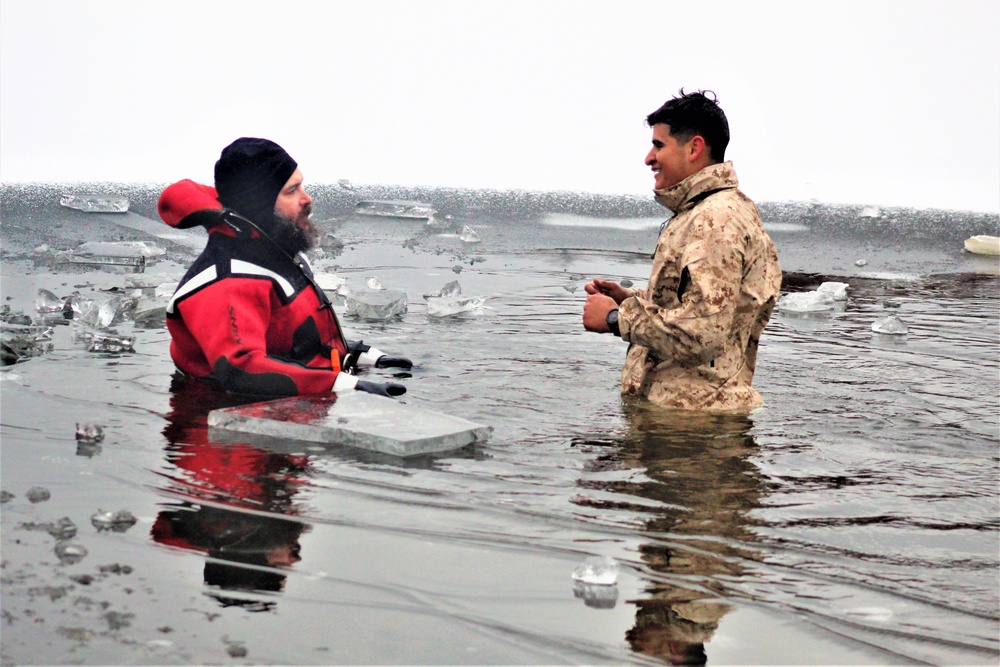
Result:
694,330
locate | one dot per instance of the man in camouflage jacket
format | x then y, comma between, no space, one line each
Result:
693,331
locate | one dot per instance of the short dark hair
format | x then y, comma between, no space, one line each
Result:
692,114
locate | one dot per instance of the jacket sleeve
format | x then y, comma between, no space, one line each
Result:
229,320
695,331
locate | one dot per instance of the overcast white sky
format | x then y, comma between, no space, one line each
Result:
885,102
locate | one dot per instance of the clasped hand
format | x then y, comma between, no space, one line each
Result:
603,297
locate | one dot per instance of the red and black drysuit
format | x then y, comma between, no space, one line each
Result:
246,314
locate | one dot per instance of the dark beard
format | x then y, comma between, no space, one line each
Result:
290,237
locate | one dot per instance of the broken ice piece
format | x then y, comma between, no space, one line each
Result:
890,325
331,283
47,302
838,290
118,522
448,301
70,553
449,290
102,311
38,494
806,302
120,249
596,596
861,262
373,283
111,343
376,304
597,570
89,432
150,315
95,203
448,307
63,529
469,235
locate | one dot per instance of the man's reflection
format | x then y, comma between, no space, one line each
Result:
697,467
246,550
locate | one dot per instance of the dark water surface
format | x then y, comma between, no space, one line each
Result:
851,521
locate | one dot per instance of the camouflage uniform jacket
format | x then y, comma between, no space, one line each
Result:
694,330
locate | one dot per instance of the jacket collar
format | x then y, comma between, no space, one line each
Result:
713,177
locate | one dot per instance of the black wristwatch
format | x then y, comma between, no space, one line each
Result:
612,320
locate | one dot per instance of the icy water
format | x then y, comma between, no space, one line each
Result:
851,521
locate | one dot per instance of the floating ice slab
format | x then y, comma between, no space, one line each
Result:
983,245
451,307
93,203
448,302
890,325
838,290
353,419
806,302
376,304
469,235
599,570
120,249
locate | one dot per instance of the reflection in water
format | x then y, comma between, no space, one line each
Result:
697,469
246,550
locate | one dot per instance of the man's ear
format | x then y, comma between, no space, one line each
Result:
696,148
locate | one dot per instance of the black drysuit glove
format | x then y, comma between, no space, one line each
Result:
389,389
393,362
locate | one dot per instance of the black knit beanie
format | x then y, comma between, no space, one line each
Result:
249,176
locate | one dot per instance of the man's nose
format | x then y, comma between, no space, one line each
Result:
650,157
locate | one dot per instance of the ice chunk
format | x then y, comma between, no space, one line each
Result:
331,283
353,419
448,301
111,342
9,316
449,307
149,285
861,262
838,290
869,212
70,553
95,203
890,325
47,302
89,432
598,570
150,314
38,494
983,245
375,305
806,302
373,283
469,235
62,529
120,249
451,289
102,310
596,596
118,522
24,340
